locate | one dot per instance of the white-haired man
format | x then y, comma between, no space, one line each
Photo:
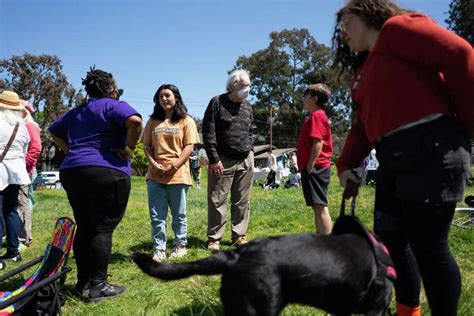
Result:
227,135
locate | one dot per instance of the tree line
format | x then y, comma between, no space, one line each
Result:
279,73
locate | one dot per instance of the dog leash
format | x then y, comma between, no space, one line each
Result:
351,190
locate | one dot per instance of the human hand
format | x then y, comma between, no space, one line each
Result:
350,182
157,166
217,168
169,170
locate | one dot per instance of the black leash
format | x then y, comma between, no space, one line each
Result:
351,190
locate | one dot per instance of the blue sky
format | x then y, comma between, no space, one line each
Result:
144,43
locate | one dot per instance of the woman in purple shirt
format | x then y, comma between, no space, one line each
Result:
98,137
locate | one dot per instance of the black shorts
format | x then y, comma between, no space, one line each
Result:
315,186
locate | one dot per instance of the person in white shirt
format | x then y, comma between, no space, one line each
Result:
14,139
272,161
372,165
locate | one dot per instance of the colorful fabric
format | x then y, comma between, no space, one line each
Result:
54,258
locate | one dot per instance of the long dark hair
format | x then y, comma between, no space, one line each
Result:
100,84
179,110
374,13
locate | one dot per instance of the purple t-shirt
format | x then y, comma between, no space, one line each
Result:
92,131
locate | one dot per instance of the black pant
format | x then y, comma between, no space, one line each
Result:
9,213
422,173
98,197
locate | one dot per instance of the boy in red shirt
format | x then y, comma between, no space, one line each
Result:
314,155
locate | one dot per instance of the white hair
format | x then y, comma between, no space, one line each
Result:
236,76
11,116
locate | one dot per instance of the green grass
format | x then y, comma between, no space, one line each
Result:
273,212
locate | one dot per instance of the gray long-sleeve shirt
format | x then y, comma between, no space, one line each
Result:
227,128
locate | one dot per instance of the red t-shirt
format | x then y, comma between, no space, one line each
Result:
315,126
400,82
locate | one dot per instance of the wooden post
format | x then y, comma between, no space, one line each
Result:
271,119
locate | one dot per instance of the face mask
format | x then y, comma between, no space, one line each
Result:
243,93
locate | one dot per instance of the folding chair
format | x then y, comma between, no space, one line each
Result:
51,273
464,216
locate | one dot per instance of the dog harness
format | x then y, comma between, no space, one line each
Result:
350,224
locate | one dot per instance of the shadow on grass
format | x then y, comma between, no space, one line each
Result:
115,257
200,309
193,242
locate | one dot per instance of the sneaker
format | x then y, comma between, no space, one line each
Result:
213,245
28,242
240,241
15,257
159,255
82,289
178,251
104,291
22,247
3,265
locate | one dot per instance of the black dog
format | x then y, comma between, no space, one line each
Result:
335,273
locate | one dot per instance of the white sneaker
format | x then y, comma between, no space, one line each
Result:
159,255
178,251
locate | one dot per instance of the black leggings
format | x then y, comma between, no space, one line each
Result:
420,248
422,173
98,197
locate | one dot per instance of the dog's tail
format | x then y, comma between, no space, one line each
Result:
216,264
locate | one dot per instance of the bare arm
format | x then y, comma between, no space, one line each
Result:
134,128
175,165
60,142
316,147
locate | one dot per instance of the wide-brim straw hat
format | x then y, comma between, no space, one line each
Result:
10,100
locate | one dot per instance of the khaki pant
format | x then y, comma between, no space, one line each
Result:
24,212
237,179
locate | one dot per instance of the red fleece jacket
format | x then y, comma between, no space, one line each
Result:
416,68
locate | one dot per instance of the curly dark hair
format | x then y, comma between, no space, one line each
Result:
180,110
100,84
374,13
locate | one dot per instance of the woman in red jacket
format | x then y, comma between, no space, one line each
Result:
413,93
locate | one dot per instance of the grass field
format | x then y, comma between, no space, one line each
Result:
273,212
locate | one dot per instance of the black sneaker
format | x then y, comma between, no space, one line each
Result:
13,256
3,265
104,290
82,288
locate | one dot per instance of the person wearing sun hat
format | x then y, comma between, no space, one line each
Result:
25,197
14,139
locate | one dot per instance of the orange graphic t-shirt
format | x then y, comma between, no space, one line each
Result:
167,140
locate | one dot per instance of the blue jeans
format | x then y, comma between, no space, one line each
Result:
159,197
9,214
